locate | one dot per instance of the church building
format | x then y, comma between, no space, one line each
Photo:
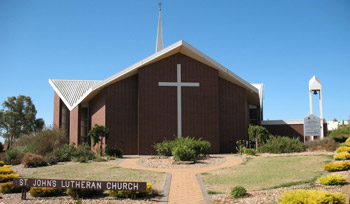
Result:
176,92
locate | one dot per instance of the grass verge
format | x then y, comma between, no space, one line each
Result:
103,171
266,173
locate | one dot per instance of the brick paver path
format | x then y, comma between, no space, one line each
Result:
184,187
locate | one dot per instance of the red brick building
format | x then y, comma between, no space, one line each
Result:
178,91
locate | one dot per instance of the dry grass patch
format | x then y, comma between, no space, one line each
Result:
264,173
104,171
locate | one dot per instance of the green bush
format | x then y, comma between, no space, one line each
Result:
51,160
9,188
258,135
337,166
327,144
30,160
342,156
184,148
63,153
341,133
45,192
302,196
83,193
280,145
46,141
332,180
114,151
164,148
184,153
248,151
238,192
14,156
83,153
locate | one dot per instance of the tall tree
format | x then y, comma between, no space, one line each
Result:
18,117
258,134
97,134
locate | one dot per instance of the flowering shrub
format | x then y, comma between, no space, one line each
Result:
337,166
347,142
343,149
127,194
45,192
342,156
9,188
7,177
332,180
312,196
6,169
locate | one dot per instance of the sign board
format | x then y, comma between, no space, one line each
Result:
312,125
81,184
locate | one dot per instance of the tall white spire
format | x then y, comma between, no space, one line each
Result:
159,44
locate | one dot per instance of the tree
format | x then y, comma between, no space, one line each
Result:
259,134
97,134
18,117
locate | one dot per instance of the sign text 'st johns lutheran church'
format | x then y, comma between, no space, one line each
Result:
176,91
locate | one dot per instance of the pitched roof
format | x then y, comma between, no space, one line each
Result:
72,97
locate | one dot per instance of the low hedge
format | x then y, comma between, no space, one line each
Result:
278,145
302,196
7,177
30,160
337,166
343,149
342,156
45,192
127,194
83,193
332,180
6,169
9,188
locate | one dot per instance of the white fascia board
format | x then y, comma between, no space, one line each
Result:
60,95
283,122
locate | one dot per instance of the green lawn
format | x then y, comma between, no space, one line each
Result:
104,171
263,173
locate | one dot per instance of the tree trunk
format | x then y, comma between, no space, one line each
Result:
101,146
256,143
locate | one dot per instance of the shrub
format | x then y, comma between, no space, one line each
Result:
258,134
13,156
312,196
248,151
188,145
83,193
9,188
332,180
6,170
341,133
184,153
127,194
114,152
327,144
238,192
46,141
33,160
1,147
45,192
83,153
343,149
342,156
63,153
337,166
51,160
282,145
7,177
347,142
164,148
2,163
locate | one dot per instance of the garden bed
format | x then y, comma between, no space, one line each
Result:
170,163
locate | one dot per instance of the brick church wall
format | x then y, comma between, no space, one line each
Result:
56,110
121,114
158,105
233,115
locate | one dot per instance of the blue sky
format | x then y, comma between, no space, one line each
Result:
280,43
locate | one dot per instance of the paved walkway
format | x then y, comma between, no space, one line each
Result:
184,187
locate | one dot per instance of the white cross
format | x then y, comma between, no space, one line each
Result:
179,84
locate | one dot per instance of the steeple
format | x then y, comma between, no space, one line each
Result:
159,44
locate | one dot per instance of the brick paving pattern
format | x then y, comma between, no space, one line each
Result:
184,187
